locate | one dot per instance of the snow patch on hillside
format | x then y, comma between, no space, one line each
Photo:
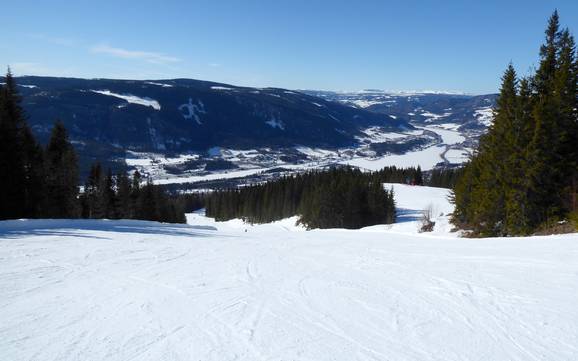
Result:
432,116
159,84
379,134
275,123
485,115
192,110
133,99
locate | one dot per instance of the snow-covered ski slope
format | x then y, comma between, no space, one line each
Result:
131,290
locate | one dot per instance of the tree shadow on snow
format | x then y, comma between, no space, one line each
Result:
407,215
76,228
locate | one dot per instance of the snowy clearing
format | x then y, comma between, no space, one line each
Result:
411,201
485,115
458,155
426,158
131,290
378,134
362,103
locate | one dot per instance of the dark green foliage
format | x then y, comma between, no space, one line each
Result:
122,199
191,202
34,174
12,164
393,174
338,198
117,197
61,180
524,173
444,177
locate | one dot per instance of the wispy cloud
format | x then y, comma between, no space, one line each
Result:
150,57
214,65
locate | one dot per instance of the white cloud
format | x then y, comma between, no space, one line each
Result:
150,57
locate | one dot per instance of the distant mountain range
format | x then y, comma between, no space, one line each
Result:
470,112
182,115
115,119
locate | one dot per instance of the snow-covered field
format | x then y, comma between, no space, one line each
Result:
131,290
426,158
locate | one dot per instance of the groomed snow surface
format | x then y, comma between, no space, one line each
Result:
132,290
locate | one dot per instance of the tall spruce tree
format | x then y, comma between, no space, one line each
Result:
61,199
12,167
90,196
123,198
34,176
565,83
515,164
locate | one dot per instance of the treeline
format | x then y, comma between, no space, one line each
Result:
43,182
439,177
393,174
338,198
117,197
444,177
524,176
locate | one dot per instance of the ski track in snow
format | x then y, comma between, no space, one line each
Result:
132,290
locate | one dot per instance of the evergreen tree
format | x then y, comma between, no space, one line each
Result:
146,205
495,147
123,197
33,159
106,196
13,196
565,84
418,178
61,199
134,194
516,201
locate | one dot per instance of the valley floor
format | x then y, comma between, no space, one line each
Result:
132,290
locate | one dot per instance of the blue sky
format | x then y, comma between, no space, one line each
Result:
316,44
